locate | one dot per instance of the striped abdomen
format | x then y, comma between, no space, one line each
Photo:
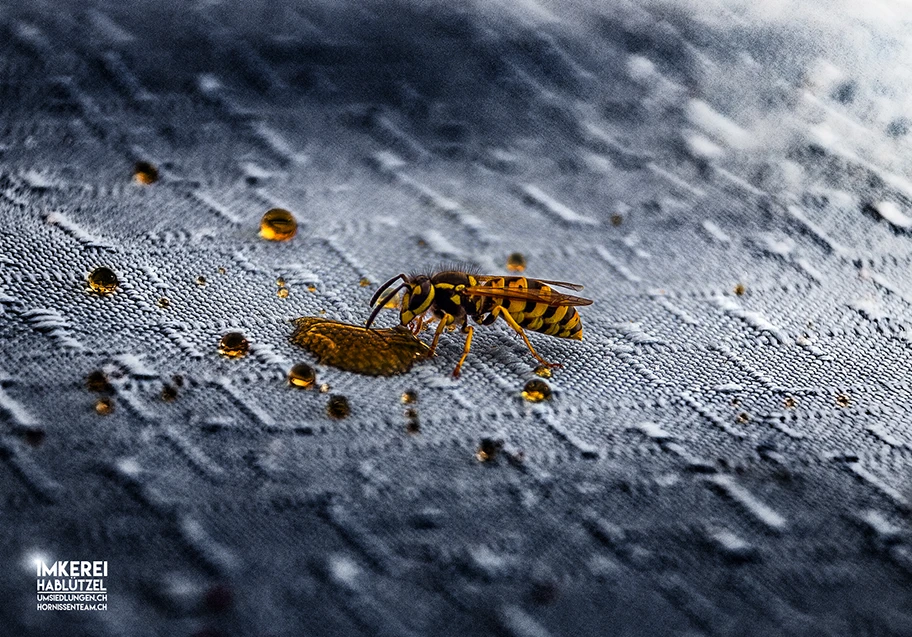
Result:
537,316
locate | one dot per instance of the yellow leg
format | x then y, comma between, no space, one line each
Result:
500,311
446,320
469,330
417,324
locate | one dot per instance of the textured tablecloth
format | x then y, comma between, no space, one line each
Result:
727,452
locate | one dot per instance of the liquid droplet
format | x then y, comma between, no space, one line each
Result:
97,382
282,293
409,397
516,262
280,282
145,173
488,449
311,288
34,437
164,302
338,407
104,406
743,417
234,345
790,403
324,388
842,400
103,280
222,271
740,289
616,220
302,375
278,225
536,391
169,394
364,282
412,426
354,348
543,371
201,281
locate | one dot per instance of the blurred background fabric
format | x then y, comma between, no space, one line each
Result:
727,452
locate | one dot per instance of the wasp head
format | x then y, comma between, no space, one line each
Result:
417,299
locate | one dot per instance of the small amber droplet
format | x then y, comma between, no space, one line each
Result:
233,345
409,397
412,426
543,371
743,417
536,391
201,280
364,282
488,449
790,403
616,220
222,271
145,173
169,394
302,375
103,280
278,225
842,400
736,401
324,388
282,293
164,302
34,437
516,262
280,282
311,288
740,289
104,406
97,382
338,407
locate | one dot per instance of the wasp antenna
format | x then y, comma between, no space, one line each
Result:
382,303
383,287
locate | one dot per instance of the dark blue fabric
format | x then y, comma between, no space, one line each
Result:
727,452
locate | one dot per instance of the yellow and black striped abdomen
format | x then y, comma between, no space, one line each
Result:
561,321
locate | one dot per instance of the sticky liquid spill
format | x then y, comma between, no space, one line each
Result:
104,406
536,391
375,352
543,371
488,449
278,225
234,345
337,407
145,173
103,280
516,262
169,394
97,382
302,375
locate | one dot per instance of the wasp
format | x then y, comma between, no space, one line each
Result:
454,296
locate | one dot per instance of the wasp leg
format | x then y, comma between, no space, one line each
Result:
469,330
446,320
500,311
417,325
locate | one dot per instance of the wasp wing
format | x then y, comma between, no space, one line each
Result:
548,297
560,284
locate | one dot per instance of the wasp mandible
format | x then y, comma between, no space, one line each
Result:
453,296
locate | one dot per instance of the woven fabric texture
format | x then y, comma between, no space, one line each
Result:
727,452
